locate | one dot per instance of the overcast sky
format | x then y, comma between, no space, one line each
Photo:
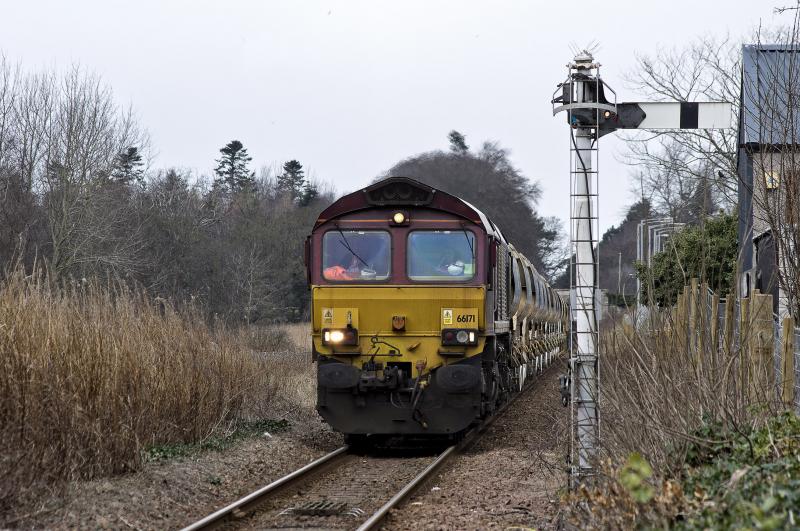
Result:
351,87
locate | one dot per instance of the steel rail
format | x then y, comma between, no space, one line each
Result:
377,517
375,521
242,505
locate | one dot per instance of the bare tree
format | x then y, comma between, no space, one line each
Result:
72,133
16,199
687,170
253,285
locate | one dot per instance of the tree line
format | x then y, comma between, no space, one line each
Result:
77,196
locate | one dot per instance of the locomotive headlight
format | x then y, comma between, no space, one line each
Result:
459,337
346,336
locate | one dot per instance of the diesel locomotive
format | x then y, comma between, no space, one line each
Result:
425,319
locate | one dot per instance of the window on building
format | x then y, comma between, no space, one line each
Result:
773,179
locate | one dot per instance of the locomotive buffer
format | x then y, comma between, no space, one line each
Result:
591,115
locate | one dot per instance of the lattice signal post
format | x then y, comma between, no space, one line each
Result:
590,115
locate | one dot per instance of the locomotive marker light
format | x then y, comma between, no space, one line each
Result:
399,218
591,115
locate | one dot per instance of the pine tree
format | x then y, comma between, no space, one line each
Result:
128,167
292,181
458,142
232,172
310,193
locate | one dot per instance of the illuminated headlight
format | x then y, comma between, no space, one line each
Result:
346,336
455,336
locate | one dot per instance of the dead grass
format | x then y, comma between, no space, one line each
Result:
299,334
665,391
658,390
93,372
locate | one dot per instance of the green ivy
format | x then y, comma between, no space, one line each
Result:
749,481
215,442
634,476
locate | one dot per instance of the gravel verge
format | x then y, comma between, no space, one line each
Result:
510,478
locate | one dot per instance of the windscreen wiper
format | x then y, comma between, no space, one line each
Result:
346,244
469,242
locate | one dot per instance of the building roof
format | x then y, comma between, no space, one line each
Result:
770,111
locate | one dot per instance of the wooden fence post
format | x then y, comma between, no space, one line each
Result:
730,324
703,327
762,337
787,362
714,335
744,349
692,325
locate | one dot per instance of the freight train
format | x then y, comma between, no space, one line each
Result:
425,318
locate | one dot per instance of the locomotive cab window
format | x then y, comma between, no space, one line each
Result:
356,255
442,255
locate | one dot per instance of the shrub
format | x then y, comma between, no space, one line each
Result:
707,252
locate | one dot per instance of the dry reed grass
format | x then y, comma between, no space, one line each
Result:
286,349
299,334
93,372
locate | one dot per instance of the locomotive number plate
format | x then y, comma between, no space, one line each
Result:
459,318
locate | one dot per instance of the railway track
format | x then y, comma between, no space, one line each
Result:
339,489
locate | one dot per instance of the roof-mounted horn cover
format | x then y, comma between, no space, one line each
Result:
399,191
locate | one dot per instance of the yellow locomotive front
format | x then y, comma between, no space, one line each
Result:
425,320
401,318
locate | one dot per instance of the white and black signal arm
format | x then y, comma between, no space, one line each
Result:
608,117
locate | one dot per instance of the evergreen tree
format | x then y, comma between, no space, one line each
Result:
232,171
128,167
706,252
292,181
310,193
458,142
